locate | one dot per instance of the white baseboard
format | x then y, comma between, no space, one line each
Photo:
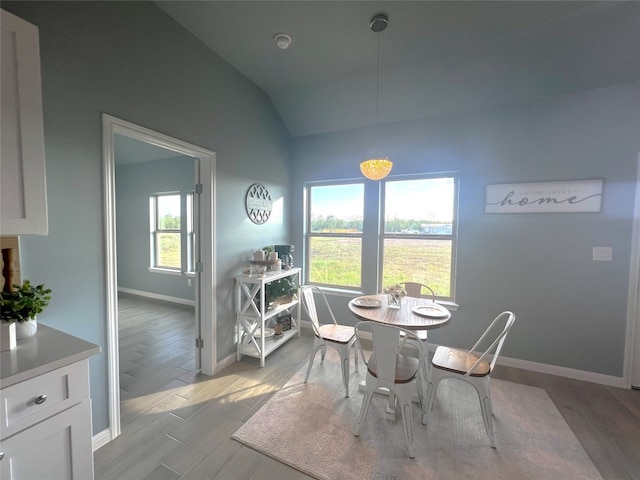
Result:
157,296
583,375
101,439
225,362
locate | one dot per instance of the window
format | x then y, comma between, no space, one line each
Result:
418,232
166,232
334,239
411,237
190,233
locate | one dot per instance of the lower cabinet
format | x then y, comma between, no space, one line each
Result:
55,449
46,426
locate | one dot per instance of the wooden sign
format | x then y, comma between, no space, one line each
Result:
545,197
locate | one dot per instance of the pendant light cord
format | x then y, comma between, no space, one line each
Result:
378,79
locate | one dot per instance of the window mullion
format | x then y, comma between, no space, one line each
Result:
371,251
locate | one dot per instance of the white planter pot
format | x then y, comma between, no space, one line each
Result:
26,329
7,336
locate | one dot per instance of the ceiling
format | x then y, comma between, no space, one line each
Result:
436,57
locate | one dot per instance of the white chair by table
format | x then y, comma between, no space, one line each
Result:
420,290
394,363
471,366
417,290
341,337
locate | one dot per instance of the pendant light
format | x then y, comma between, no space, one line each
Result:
377,166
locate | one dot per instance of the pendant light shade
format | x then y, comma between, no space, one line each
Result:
376,168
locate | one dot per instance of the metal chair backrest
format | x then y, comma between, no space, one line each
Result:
496,345
414,289
308,300
389,341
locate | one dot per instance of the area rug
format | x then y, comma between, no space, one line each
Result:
310,428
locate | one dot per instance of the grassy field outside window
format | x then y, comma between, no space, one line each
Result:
417,218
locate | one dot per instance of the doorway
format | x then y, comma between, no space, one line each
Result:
633,324
203,274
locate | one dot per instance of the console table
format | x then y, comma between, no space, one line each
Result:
254,317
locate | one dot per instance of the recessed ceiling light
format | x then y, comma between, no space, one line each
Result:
282,41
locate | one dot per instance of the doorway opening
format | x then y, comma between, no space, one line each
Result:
201,240
632,348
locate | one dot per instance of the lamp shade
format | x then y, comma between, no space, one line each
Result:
376,168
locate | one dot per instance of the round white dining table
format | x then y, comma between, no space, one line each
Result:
404,317
377,310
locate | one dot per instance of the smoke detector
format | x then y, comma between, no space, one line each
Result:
282,41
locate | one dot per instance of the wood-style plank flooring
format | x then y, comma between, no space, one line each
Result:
177,423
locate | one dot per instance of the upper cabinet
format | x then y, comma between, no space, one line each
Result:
23,193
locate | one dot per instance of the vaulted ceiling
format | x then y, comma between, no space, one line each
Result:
436,57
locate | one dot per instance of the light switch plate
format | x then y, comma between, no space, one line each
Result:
602,254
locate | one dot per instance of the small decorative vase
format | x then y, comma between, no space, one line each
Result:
26,329
7,336
394,301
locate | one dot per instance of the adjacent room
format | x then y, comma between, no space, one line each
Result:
263,237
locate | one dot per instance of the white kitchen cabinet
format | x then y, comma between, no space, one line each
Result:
45,408
253,317
23,195
56,449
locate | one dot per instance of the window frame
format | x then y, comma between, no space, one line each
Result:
155,230
309,234
453,236
373,234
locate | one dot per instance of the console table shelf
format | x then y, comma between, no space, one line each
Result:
253,315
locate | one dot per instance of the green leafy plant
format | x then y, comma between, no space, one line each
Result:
282,287
24,302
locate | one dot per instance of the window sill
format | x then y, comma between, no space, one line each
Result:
451,306
166,271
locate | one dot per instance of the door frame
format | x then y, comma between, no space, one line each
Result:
205,301
632,347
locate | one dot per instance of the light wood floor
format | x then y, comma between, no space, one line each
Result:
177,424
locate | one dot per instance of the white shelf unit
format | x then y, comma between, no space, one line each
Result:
252,315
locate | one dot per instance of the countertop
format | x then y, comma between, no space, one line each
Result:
49,349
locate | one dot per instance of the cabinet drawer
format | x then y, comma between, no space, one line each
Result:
36,399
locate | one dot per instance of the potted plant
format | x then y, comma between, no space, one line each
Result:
21,306
280,291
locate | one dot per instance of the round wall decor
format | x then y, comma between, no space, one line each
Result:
258,203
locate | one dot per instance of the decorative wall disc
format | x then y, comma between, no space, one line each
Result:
258,203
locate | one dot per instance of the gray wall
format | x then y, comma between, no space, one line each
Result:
135,183
130,60
571,311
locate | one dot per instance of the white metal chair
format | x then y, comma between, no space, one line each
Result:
420,290
332,334
471,366
394,363
415,289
